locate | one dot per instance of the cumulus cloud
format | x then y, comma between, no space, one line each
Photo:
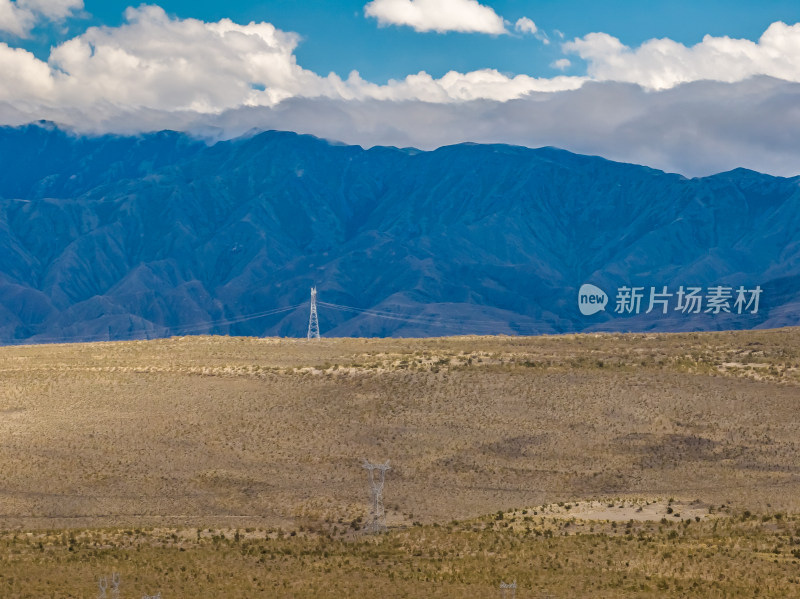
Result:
561,64
20,16
25,78
525,25
663,63
161,63
468,16
158,62
15,20
54,10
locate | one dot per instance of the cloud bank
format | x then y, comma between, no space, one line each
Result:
717,105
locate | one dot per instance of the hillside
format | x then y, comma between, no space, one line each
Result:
126,238
243,431
596,465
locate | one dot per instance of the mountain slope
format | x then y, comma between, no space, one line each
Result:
115,237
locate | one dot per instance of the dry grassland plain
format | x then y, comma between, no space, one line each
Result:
581,466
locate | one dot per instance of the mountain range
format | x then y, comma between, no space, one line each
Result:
120,237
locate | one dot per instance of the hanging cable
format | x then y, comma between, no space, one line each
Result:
163,330
418,319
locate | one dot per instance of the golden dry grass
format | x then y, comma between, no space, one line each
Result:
722,555
267,434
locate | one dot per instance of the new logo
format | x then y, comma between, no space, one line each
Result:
591,299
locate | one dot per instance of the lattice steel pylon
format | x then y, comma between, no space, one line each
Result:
103,584
115,579
313,321
506,587
377,517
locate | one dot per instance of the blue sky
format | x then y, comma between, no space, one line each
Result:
337,36
683,86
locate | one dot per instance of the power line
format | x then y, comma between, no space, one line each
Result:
163,330
421,319
160,331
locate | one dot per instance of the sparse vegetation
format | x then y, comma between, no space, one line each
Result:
721,557
209,453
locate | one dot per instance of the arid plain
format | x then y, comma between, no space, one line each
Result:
197,446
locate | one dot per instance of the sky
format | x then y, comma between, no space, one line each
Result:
688,87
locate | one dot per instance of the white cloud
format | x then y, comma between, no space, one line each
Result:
485,84
664,63
561,64
14,19
53,10
525,25
467,16
19,17
25,78
157,62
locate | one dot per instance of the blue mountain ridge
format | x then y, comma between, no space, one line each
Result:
114,237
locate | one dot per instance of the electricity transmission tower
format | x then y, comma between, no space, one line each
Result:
115,585
103,584
506,587
377,516
313,322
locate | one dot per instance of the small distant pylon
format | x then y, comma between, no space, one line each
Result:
313,321
103,584
508,587
115,580
377,521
